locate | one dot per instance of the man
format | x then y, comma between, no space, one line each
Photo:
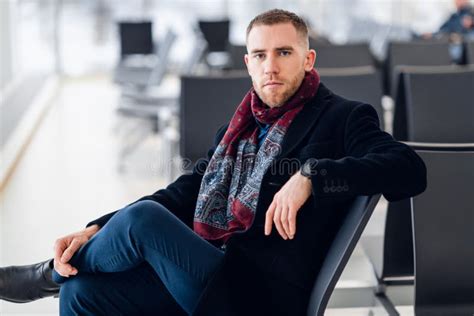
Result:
461,21
248,236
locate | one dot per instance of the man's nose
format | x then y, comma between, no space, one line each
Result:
271,65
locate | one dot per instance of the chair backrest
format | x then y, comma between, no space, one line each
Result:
237,53
341,249
163,53
136,37
469,51
415,53
317,39
443,232
435,104
216,33
356,83
440,106
343,56
207,103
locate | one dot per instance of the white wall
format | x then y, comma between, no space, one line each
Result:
7,32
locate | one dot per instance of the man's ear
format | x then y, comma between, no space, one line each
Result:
246,59
310,60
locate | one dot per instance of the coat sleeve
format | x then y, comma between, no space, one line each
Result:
180,196
448,25
374,163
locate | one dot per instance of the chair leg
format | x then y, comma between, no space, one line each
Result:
382,298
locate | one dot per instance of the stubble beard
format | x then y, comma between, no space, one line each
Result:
282,97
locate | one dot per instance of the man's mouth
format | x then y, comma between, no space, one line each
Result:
272,84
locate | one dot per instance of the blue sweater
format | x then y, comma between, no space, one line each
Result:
263,132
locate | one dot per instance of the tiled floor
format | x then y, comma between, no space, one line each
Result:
69,175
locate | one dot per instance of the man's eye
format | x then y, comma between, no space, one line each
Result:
258,56
285,53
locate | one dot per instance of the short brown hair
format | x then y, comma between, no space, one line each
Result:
277,16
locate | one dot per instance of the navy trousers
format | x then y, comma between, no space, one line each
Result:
144,261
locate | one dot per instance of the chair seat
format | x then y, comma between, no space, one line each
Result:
132,75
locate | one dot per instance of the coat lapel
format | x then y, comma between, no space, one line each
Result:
305,120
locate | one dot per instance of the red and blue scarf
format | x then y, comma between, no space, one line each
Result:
230,187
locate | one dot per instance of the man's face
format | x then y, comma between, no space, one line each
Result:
277,60
461,3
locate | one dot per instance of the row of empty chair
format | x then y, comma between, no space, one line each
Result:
442,236
435,253
137,38
434,107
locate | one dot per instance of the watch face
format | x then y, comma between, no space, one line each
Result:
308,167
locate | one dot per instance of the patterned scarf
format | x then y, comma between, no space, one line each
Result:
230,187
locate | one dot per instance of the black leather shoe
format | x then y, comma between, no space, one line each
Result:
23,284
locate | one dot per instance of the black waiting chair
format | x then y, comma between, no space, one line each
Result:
356,83
435,104
136,38
443,234
206,103
134,77
343,56
440,105
414,53
469,52
137,50
137,86
340,251
216,34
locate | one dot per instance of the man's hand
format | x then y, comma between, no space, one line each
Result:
286,204
467,22
427,35
65,247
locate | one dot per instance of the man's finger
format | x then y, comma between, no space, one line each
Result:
70,251
59,247
269,218
292,221
284,219
277,221
65,269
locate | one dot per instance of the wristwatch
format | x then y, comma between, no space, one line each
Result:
308,168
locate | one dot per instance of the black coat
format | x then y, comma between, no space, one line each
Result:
266,275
